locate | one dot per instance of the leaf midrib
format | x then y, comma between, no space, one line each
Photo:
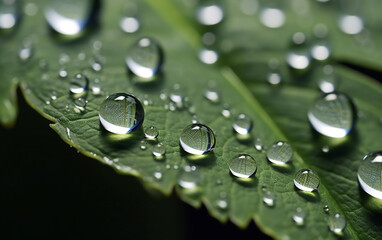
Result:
170,14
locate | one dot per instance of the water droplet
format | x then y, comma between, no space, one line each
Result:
272,17
268,197
143,145
325,149
326,208
9,14
350,24
197,139
78,84
159,151
219,182
209,13
369,174
44,65
249,7
63,73
26,52
306,180
53,96
259,144
299,217
188,178
299,56
242,124
327,79
320,30
96,88
208,38
158,176
332,114
151,132
222,204
176,97
274,78
226,112
280,153
30,9
243,166
145,58
208,56
71,17
129,24
80,104
121,113
337,223
320,50
96,65
211,93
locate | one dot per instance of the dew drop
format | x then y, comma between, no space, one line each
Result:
369,174
337,223
80,104
259,144
63,73
72,17
280,153
274,78
26,52
188,178
272,17
350,24
159,151
306,180
151,132
268,198
208,56
145,58
197,139
332,115
121,113
96,66
326,209
9,14
212,94
226,112
320,50
242,124
243,166
129,24
325,149
143,145
299,217
209,13
96,88
78,84
158,176
222,204
298,56
327,80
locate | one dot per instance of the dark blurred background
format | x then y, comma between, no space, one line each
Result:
48,190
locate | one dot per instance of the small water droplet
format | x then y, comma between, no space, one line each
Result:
298,56
326,209
143,145
327,79
211,93
129,24
226,112
306,180
274,78
208,38
337,223
188,178
44,65
222,204
320,50
9,14
208,56
53,96
80,104
268,198
249,7
332,114
350,24
158,175
145,58
96,65
259,144
197,139
209,13
151,132
280,153
121,113
72,17
63,73
272,17
325,149
26,52
219,182
299,217
369,174
159,151
242,124
96,88
78,84
243,166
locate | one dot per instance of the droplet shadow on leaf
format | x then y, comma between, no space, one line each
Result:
121,141
287,168
371,203
250,182
308,196
207,159
152,85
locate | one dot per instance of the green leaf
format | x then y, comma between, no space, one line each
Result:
277,113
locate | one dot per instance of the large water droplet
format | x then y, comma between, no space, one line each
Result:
151,132
121,113
299,56
189,178
280,153
337,223
370,174
350,24
272,17
9,14
306,180
209,13
78,84
72,17
145,58
332,115
242,124
243,166
197,139
299,217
